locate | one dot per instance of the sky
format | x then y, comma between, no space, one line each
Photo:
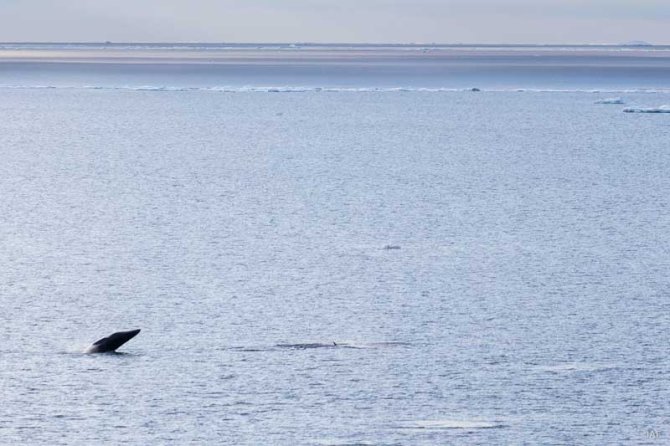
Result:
349,21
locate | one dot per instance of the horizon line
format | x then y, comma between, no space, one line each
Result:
633,43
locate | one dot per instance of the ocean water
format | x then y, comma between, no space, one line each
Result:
334,246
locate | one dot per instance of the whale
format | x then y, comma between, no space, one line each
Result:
112,342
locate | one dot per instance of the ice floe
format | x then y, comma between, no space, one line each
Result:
659,109
610,101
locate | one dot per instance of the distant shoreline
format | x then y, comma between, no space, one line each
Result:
335,67
224,45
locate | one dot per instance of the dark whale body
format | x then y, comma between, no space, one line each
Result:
112,342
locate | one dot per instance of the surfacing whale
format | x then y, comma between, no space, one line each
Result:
112,342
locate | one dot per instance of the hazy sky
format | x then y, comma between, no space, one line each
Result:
421,21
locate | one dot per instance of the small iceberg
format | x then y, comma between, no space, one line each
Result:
610,101
637,43
661,109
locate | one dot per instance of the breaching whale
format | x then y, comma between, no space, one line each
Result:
112,342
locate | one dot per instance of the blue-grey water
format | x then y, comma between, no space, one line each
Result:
336,266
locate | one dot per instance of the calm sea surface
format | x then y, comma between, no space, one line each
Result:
334,246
